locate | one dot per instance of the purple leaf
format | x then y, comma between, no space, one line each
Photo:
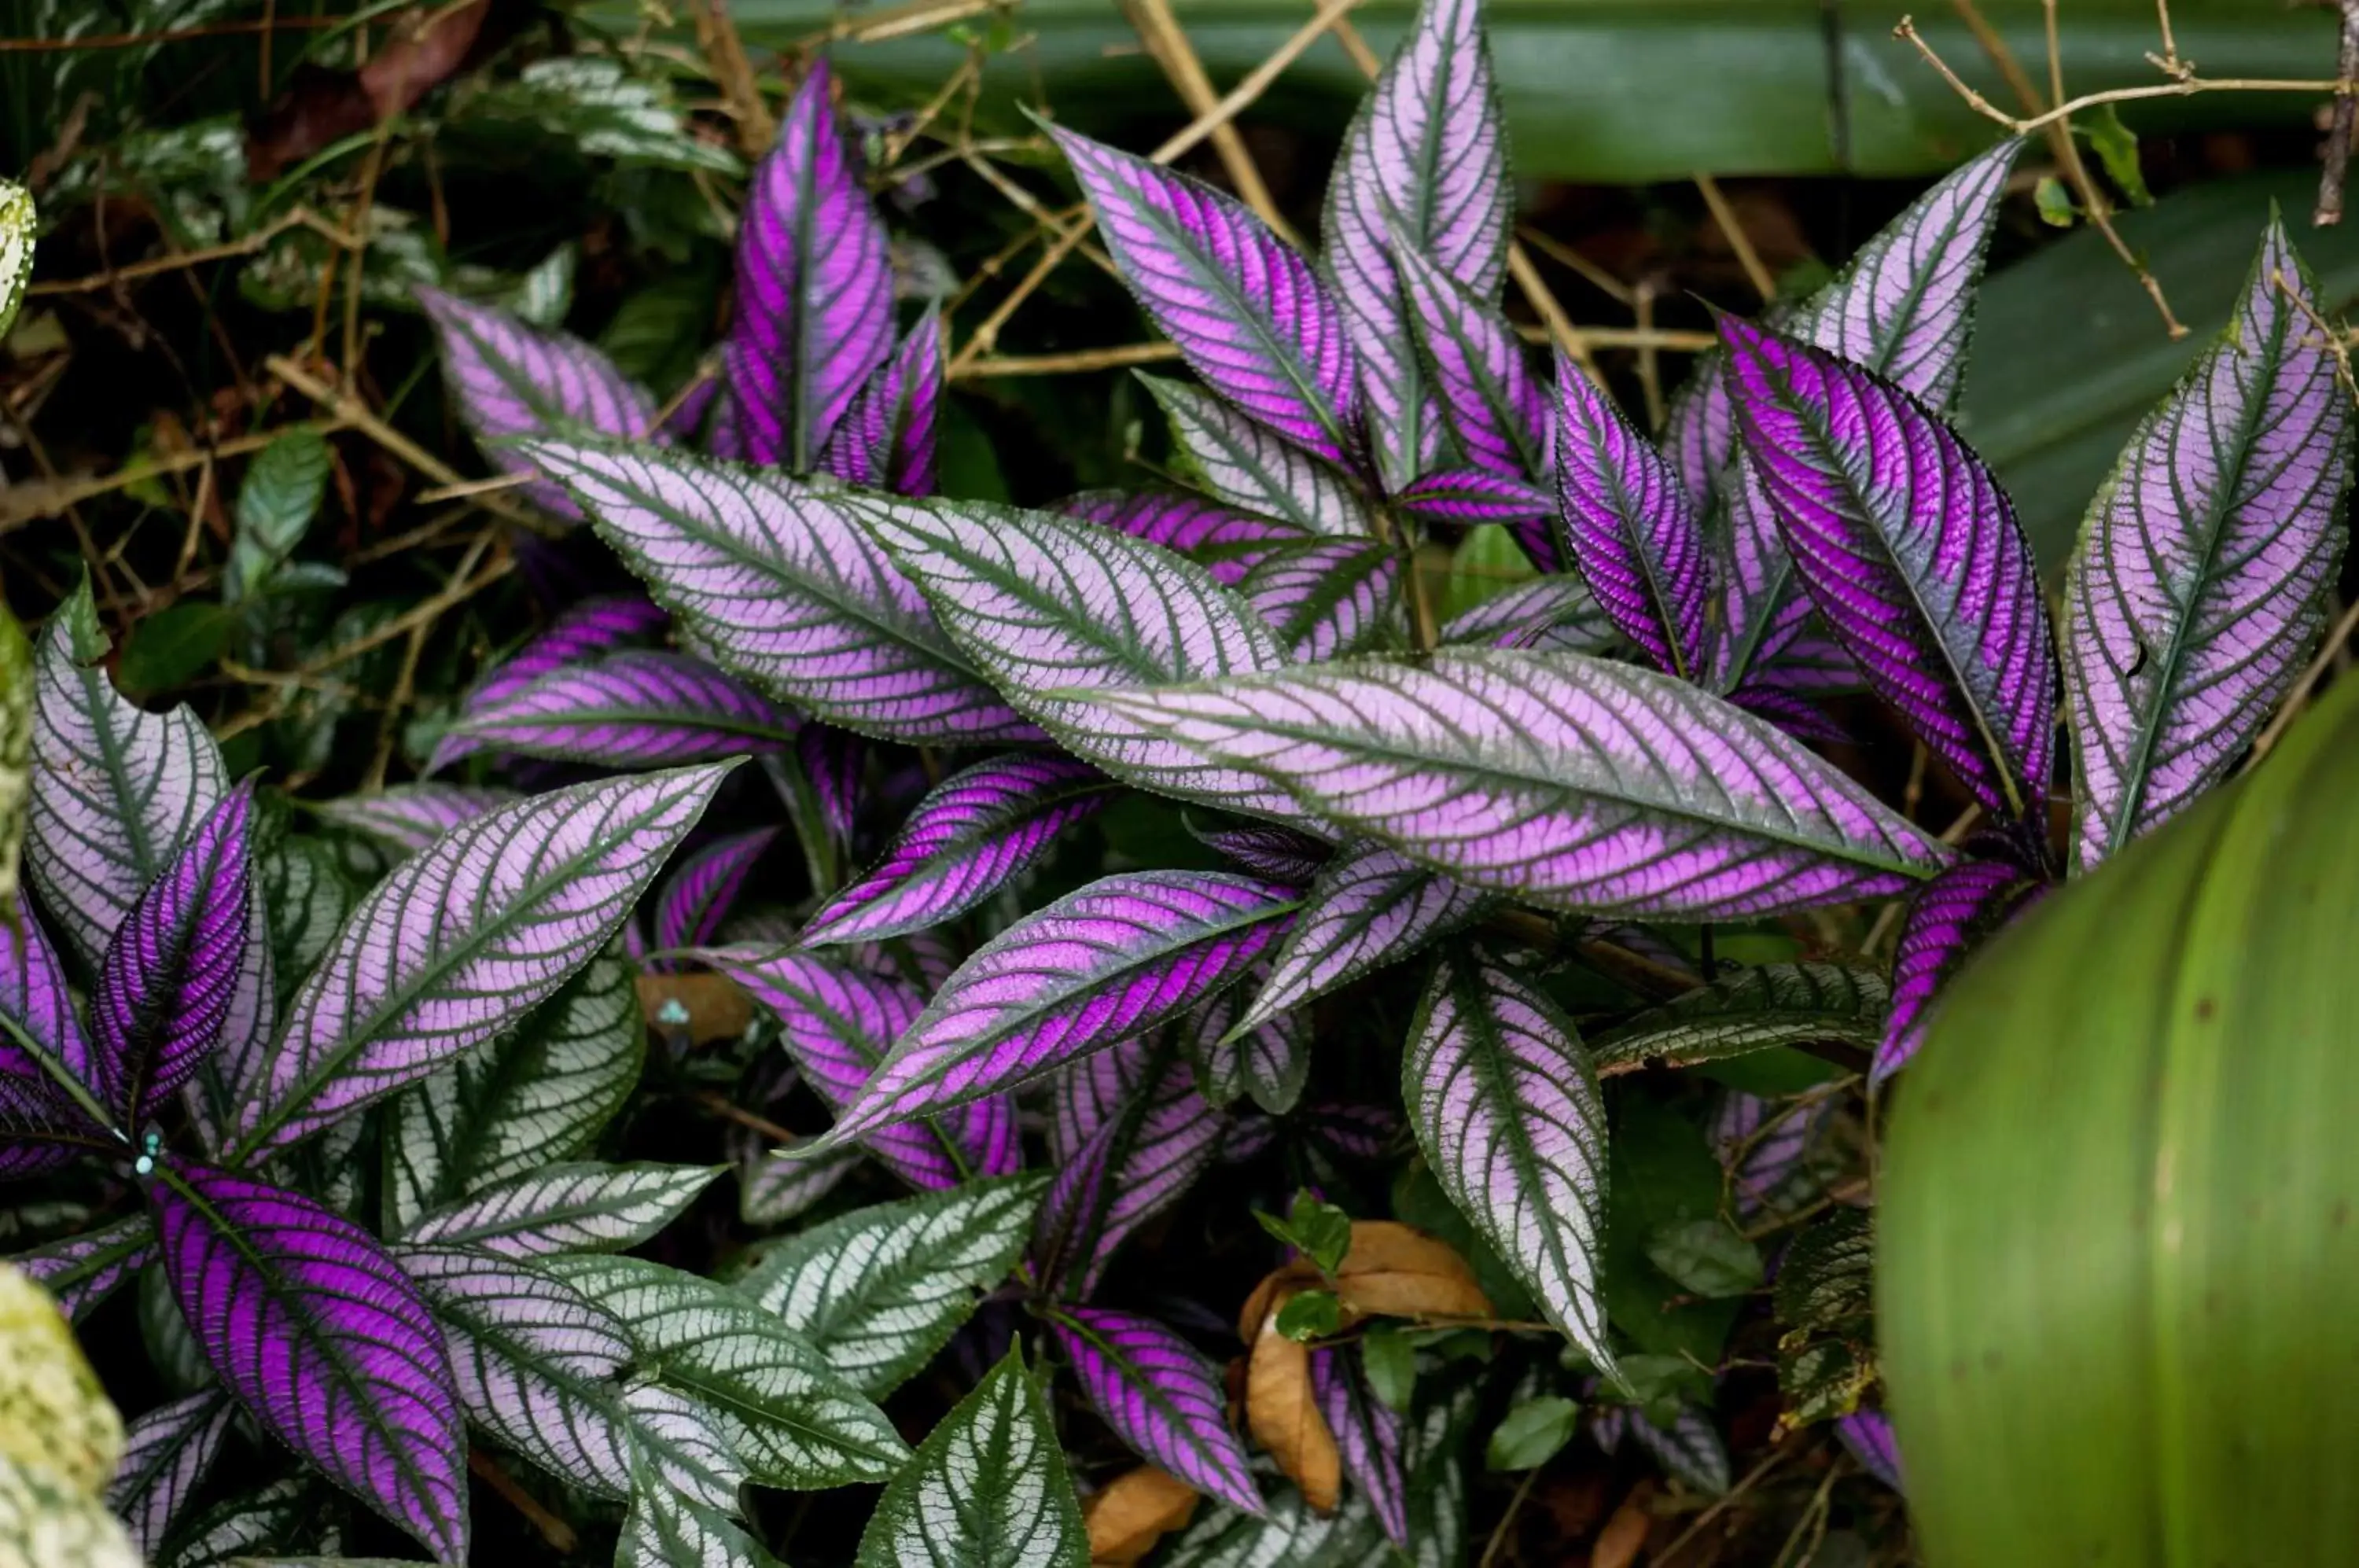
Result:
1699,435
1355,1132
1161,1396
1628,528
1123,955
1576,784
460,940
1427,156
1913,557
814,287
1467,497
887,440
80,1271
2198,590
1508,1114
567,1207
323,1340
1691,1448
785,587
773,1188
1083,1097
510,381
1812,664
1555,612
1369,908
1776,1153
635,709
591,627
1474,364
1248,314
1268,1060
702,889
1152,1143
1238,463
1954,915
1326,598
166,1455
42,1049
408,817
1223,542
1282,854
833,763
1372,1438
1866,1436
1788,711
973,833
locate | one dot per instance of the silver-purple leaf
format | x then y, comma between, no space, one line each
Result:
167,1454
1326,598
1224,541
667,1529
593,626
1507,1112
1370,1436
635,708
1249,313
1953,915
1699,434
974,833
1468,497
43,1050
80,1271
453,947
1752,1009
1691,1448
1553,612
1267,1060
1237,462
1779,1154
1156,1134
2197,592
814,314
886,439
1475,365
1568,781
774,1188
1368,908
408,817
1161,1396
1866,1436
1265,849
703,887
566,1207
785,587
1913,557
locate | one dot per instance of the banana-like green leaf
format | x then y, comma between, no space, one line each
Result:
1752,1009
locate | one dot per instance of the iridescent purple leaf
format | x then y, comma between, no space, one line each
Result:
1248,314
1790,713
1124,953
1699,434
1157,1134
1267,1060
1427,156
511,380
1368,908
887,440
1866,1436
1282,854
1371,1436
1468,498
635,708
567,1207
1328,597
1474,364
166,1455
814,287
1161,1396
785,588
1576,784
833,763
82,1270
1508,1114
453,947
1912,555
593,626
2197,592
1779,1154
408,817
43,1048
1223,542
1752,1009
323,1340
1812,664
703,887
1954,914
1553,612
1236,461
973,833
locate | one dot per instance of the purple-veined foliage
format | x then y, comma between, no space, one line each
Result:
785,588
322,1339
973,834
1353,1131
839,1022
1953,915
593,626
832,762
1161,1396
1368,908
1126,953
1475,366
635,709
1789,712
1554,612
1152,1143
887,440
1265,849
566,1207
1699,434
458,941
1912,555
1812,664
1567,781
1247,1137
1507,1112
2197,592
697,412
169,976
1469,496
1628,528
1241,464
1776,1152
1083,1096
1866,1436
43,1048
1249,313
1267,1060
1424,164
1691,1448
1371,1437
1327,597
167,1454
776,1188
703,887
814,316
1223,541
82,1271
408,817
510,380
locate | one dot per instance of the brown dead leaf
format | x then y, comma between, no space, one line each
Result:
708,1008
1132,1512
1296,1275
322,108
1284,1414
1625,1534
1395,1271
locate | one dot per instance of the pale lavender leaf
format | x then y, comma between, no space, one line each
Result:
1779,1154
1223,541
1953,916
166,1455
1161,1396
1083,1096
1475,366
1370,1435
887,440
774,1188
1866,1436
1367,909
702,889
1138,1161
567,1207
408,817
1554,612
593,626
1282,854
1238,463
82,1271
635,709
1328,597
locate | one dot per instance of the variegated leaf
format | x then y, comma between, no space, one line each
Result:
1161,1396
1554,612
1222,540
82,1271
596,626
1474,364
635,709
703,887
581,1207
665,1529
408,817
1155,1136
1954,914
1235,461
1752,1009
1328,597
1267,1060
1368,908
886,439
167,1454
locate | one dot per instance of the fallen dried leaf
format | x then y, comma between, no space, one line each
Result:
1128,1515
1619,1542
1284,1418
1395,1271
708,1008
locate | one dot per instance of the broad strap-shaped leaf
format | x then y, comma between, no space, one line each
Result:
703,887
974,833
1235,460
1508,1114
2197,592
1954,914
82,1271
814,287
508,379
1424,166
1327,597
322,1339
1369,908
785,587
988,1488
1752,1009
887,440
880,1290
1628,528
1476,367
1050,607
408,817
167,1454
115,790
169,976
1372,1437
1249,313
593,626
1553,612
45,1055
668,1529
635,709
1161,1396
460,939
1124,954
1912,555
1573,783
1157,1137
795,1422
1268,1061
571,1207
1224,541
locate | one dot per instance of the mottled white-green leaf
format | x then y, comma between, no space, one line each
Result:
1752,1009
773,1187
987,1489
668,1529
275,503
293,1516
583,1206
16,217
880,1290
305,895
45,1523
592,103
1690,1449
1233,459
1292,1532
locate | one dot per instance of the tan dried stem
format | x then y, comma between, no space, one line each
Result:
1256,82
725,56
1739,240
1167,43
2338,135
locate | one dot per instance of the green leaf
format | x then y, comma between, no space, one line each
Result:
2116,148
1531,1434
545,294
1661,1386
1750,1010
173,646
1663,1174
987,1489
1311,1315
590,102
1315,1228
16,234
1823,1380
1488,563
2055,203
1706,1257
665,1529
1389,1357
1827,1277
275,503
